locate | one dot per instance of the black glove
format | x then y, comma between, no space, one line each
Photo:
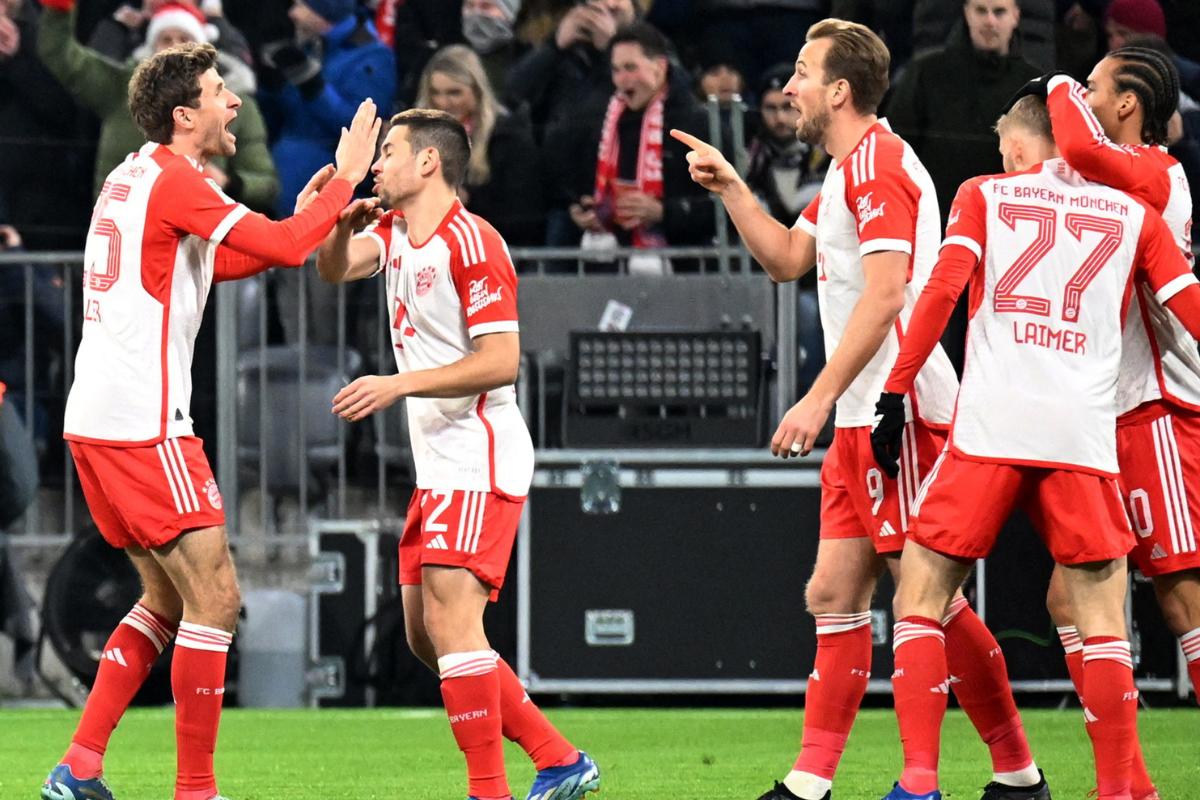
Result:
885,437
297,66
1037,87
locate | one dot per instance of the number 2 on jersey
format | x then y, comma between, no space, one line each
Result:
1007,299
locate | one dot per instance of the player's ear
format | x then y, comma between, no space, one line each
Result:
182,116
430,159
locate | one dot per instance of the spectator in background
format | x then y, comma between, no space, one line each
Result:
570,70
120,34
489,27
761,33
936,22
947,100
421,28
720,77
313,86
38,120
638,189
503,183
785,174
101,85
1127,20
945,104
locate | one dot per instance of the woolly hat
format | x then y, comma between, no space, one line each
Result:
334,11
509,7
177,16
775,78
1143,16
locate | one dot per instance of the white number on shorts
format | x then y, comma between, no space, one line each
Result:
875,488
432,525
1139,512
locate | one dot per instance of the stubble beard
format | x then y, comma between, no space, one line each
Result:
812,131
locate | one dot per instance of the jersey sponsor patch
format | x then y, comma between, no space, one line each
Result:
867,211
480,297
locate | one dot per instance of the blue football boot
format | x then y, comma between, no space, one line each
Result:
898,792
62,785
571,782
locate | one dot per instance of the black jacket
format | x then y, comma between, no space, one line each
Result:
556,83
946,104
572,146
513,199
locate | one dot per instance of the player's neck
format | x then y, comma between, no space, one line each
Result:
844,134
424,212
189,149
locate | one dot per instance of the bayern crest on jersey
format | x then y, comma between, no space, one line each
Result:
425,279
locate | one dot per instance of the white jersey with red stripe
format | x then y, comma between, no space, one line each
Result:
148,266
878,199
1047,304
442,293
1159,358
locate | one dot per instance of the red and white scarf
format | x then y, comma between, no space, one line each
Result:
649,166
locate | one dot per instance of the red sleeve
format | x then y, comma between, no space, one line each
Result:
881,195
230,265
1158,261
807,221
1083,144
961,254
484,276
194,205
1185,305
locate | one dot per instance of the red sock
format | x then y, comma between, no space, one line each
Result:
471,692
198,682
920,685
980,682
129,654
1190,642
835,690
524,723
1143,785
1110,710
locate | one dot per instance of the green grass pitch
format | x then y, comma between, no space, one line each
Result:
661,754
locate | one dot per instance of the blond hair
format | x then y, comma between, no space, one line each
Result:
857,56
1029,113
460,64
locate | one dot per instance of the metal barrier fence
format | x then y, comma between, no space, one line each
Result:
283,343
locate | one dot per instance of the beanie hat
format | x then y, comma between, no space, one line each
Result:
333,11
1143,16
775,78
509,7
177,16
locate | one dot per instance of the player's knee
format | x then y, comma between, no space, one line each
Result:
165,602
420,644
823,595
1058,606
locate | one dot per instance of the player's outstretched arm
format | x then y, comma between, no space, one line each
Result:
493,363
1081,140
785,253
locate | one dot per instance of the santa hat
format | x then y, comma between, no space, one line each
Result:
1143,16
177,16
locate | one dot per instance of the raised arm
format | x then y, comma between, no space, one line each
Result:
97,82
345,257
785,253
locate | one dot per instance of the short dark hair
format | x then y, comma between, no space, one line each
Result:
1151,75
429,127
857,56
645,35
164,81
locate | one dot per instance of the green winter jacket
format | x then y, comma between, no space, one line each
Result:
101,85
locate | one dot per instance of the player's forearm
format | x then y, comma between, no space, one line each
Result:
1081,140
473,374
291,240
786,254
870,321
333,256
231,265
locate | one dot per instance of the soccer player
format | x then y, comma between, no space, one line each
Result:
451,291
160,234
1051,259
872,234
1113,133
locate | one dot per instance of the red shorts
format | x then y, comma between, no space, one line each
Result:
858,500
1160,479
457,528
147,496
962,507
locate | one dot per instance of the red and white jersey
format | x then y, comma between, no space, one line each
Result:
1159,357
442,293
1047,303
148,266
879,198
